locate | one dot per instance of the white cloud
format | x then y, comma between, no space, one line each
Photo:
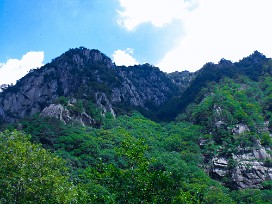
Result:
228,29
157,12
214,29
123,57
15,69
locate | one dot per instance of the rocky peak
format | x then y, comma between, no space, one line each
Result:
87,75
255,58
225,63
182,79
82,57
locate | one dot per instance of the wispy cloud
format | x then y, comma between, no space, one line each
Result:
14,69
124,57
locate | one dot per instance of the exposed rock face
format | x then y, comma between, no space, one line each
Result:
239,129
145,83
251,170
56,111
182,79
27,99
60,112
219,166
86,75
246,169
103,103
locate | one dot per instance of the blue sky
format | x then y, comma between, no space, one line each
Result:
54,26
172,34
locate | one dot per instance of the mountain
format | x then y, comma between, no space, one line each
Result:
90,76
136,134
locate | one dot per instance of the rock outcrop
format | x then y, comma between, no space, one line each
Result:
245,164
245,169
62,113
182,79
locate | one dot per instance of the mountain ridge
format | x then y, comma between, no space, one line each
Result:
90,75
144,87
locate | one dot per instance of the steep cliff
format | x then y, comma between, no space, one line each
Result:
87,75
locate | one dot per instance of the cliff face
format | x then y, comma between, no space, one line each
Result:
182,79
246,168
87,75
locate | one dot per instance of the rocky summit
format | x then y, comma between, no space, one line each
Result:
87,75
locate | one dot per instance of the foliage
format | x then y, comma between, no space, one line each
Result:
43,130
93,111
77,107
230,104
135,182
29,174
131,159
62,100
252,196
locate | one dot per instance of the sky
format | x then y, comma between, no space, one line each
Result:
174,35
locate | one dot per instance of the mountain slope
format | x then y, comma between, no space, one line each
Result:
252,66
237,131
82,107
91,76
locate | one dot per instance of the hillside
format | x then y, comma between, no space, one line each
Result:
82,130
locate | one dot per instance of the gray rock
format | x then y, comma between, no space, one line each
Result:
57,111
249,170
239,129
62,113
87,75
220,166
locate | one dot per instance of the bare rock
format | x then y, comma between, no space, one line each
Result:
239,129
62,113
220,166
248,169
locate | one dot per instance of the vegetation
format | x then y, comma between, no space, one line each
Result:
130,159
30,174
228,105
133,159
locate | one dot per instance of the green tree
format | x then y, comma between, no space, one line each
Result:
136,182
62,100
30,174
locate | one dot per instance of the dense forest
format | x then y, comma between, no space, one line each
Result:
163,152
